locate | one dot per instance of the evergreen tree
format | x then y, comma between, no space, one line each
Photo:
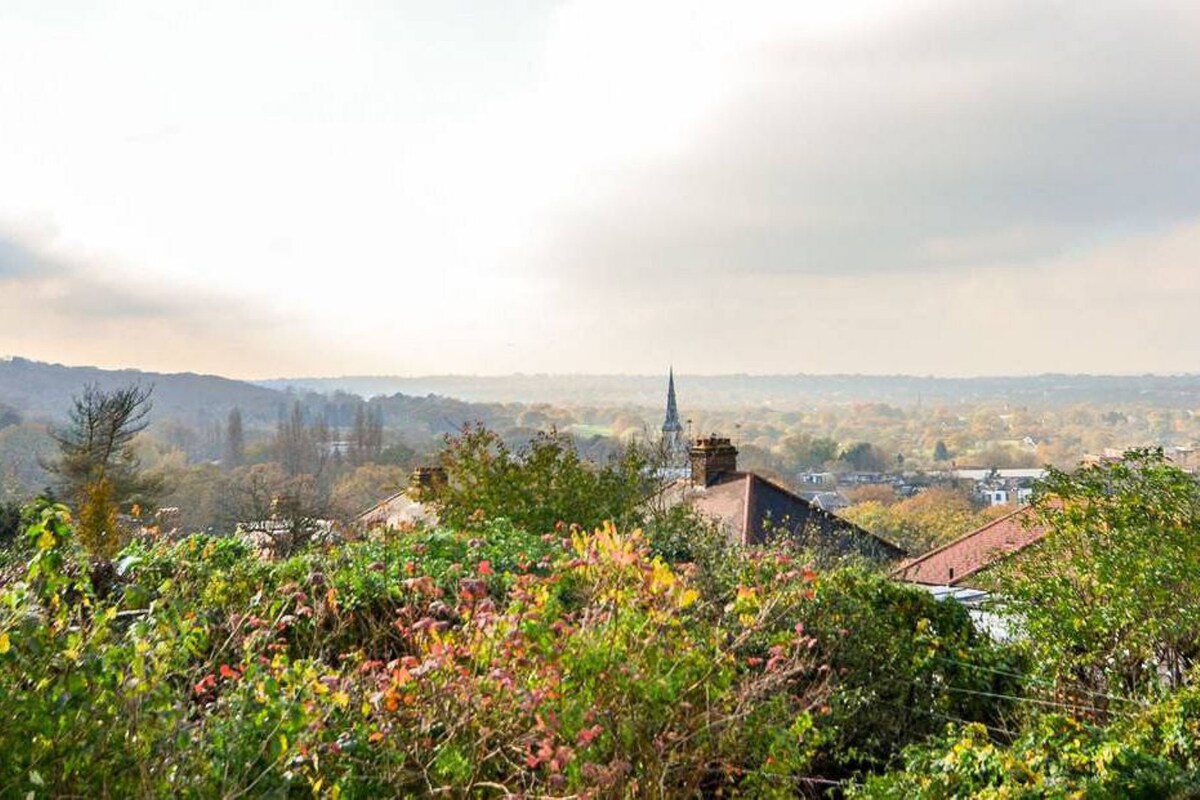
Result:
367,438
375,434
294,444
235,441
358,445
97,443
97,468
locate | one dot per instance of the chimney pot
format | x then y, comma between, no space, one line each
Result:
711,457
426,479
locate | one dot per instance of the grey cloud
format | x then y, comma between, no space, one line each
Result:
74,309
17,262
981,134
72,289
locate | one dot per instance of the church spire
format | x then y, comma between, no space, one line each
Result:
671,427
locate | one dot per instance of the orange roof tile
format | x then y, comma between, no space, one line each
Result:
956,561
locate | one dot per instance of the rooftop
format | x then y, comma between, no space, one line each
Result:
754,509
956,562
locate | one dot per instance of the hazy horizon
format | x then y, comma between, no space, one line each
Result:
262,379
598,187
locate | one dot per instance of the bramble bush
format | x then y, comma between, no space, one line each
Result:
397,666
489,660
486,661
1152,754
516,654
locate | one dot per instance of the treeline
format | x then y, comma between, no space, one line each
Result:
310,463
339,453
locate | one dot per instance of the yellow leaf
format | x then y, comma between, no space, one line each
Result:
688,597
341,699
46,540
5,643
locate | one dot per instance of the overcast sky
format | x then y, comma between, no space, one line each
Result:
302,188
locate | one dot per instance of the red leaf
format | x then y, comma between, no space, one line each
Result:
587,735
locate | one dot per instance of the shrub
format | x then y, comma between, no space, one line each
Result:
904,663
540,486
1056,756
403,665
1110,598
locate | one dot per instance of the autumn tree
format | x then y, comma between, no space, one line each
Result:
365,486
802,451
1110,598
882,493
264,498
539,484
864,457
924,521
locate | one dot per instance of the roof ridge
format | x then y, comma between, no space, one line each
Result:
387,499
959,539
813,508
746,511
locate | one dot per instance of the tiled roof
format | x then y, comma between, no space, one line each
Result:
754,508
955,562
397,511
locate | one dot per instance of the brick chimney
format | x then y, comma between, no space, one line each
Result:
426,479
711,457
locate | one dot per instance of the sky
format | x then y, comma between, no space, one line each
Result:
299,188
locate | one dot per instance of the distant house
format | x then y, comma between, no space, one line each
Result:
998,487
405,509
960,562
269,536
826,501
864,478
817,478
980,474
753,510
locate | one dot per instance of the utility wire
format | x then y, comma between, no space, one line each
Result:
1037,701
948,717
1033,680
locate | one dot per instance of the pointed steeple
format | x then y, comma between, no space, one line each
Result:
671,427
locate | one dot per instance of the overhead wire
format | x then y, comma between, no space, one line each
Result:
1034,680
